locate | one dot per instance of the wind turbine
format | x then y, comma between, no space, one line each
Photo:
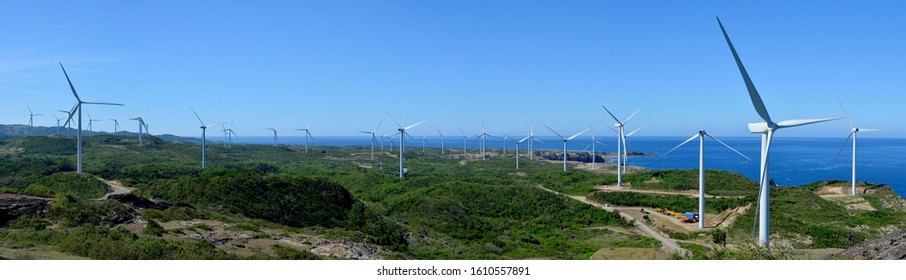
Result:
565,140
203,137
424,142
116,125
31,116
532,139
271,128
464,143
483,137
69,114
59,128
701,169
516,142
78,109
141,125
441,142
767,130
229,136
854,134
307,135
402,133
90,121
621,143
593,144
374,138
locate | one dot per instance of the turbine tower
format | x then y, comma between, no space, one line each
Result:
701,169
621,143
516,142
116,125
767,130
307,135
31,116
565,140
402,133
141,126
854,134
203,137
271,128
77,109
464,143
593,143
374,138
441,142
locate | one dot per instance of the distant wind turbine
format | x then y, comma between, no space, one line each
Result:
621,144
402,133
531,145
374,138
203,137
516,142
483,137
854,134
59,128
116,125
31,116
271,128
565,140
701,169
767,130
307,135
464,143
77,109
593,143
67,124
141,126
441,142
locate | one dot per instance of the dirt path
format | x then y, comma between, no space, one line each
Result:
666,242
115,188
689,193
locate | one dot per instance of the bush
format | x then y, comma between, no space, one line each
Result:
719,237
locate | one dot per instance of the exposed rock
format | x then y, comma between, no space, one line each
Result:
888,247
14,205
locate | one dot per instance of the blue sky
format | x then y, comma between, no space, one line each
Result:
340,64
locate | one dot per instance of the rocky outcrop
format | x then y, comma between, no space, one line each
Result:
585,157
14,205
888,247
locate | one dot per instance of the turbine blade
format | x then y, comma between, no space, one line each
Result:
794,123
392,119
552,130
366,132
844,145
633,115
868,130
378,126
680,145
611,115
102,103
411,126
753,93
441,134
846,114
29,109
213,125
523,139
70,83
728,146
634,131
576,135
463,132
196,116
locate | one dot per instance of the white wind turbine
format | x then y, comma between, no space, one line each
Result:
141,127
77,109
59,128
531,143
203,137
565,140
271,128
483,137
374,138
701,169
767,130
441,142
116,125
90,120
424,143
593,143
621,143
31,116
516,142
307,135
464,143
67,124
402,133
854,134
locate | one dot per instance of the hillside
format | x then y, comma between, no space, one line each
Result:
264,202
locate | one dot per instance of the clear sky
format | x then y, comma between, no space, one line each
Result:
340,64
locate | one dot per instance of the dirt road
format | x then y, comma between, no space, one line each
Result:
667,243
115,188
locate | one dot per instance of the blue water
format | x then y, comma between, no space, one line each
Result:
794,161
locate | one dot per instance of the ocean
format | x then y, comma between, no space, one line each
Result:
794,161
